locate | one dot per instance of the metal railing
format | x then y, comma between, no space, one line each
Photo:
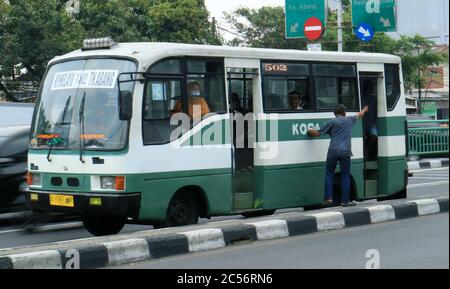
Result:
427,137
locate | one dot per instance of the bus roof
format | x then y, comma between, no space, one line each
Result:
148,52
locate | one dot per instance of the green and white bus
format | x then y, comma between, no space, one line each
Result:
104,143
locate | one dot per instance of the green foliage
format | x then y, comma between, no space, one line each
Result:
124,20
31,33
417,54
183,21
264,27
34,31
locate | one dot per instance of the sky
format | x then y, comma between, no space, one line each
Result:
217,7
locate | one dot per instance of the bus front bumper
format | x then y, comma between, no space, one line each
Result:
125,205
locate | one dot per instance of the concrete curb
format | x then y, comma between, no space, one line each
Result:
427,164
141,249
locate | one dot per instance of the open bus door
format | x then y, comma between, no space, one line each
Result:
242,76
370,95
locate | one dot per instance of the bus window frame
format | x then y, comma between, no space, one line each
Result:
184,77
397,65
59,61
312,86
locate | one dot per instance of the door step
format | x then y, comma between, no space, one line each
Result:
373,165
243,201
371,187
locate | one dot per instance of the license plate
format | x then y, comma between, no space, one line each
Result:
62,201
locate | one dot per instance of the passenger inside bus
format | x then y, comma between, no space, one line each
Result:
370,121
195,99
236,106
295,102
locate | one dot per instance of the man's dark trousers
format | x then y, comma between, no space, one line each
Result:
344,163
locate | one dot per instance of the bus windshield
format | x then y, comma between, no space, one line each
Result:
79,102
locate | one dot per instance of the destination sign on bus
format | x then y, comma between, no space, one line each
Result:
105,79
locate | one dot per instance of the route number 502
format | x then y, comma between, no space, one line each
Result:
271,67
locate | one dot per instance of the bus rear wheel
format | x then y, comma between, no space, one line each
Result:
103,225
182,211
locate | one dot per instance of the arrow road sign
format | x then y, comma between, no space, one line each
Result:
298,11
386,22
380,14
365,32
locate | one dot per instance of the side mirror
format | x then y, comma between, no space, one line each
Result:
125,105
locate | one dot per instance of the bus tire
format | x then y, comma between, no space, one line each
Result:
258,213
103,225
183,210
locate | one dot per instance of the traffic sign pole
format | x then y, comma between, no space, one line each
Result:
339,23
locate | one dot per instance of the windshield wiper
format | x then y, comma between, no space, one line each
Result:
81,118
55,139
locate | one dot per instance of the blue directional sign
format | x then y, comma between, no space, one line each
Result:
365,32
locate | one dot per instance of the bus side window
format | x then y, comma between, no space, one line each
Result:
286,87
392,77
207,76
335,83
160,98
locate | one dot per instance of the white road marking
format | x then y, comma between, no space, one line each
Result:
12,231
428,184
72,225
427,170
429,178
435,195
431,175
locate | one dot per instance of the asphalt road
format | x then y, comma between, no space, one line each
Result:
424,184
413,243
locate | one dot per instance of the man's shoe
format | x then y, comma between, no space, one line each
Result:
349,204
327,203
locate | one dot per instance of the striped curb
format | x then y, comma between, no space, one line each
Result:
147,248
427,164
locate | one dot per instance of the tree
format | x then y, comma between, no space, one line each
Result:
34,31
31,33
264,27
182,21
417,54
123,20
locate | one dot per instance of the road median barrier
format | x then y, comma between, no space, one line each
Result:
154,244
428,164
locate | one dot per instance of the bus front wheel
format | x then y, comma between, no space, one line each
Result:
183,210
103,225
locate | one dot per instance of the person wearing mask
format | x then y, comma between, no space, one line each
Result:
195,99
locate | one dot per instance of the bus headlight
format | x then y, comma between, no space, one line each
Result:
107,183
34,179
112,183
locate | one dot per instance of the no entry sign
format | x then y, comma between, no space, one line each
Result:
313,28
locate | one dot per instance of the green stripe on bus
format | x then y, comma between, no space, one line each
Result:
392,126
